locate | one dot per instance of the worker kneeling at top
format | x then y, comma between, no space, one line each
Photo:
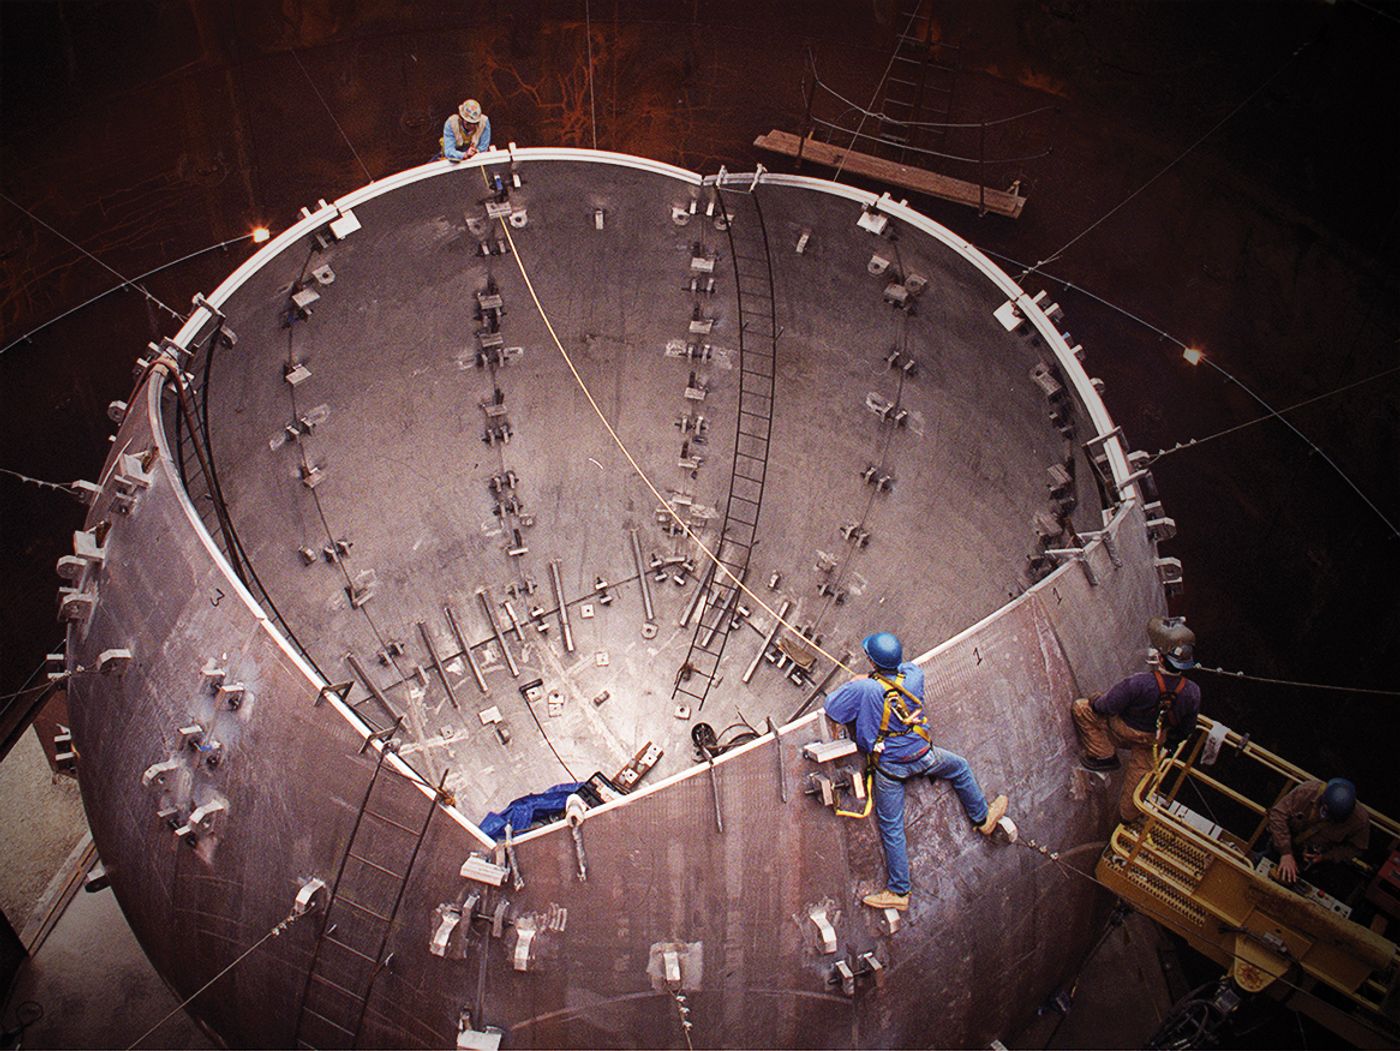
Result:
1142,711
1325,826
890,728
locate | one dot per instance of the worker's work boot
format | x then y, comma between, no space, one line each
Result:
1094,762
887,899
996,810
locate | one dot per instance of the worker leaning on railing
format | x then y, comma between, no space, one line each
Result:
1324,823
466,132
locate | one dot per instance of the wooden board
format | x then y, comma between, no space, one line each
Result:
1002,202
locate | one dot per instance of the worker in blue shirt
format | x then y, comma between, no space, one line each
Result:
887,710
466,133
1142,712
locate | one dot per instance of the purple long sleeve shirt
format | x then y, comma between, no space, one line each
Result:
1136,697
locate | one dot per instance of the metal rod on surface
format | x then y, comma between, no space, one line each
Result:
466,650
642,578
370,685
778,751
563,606
772,634
517,880
695,598
714,790
442,672
483,594
726,611
514,622
821,687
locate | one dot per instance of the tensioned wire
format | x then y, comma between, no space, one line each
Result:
632,460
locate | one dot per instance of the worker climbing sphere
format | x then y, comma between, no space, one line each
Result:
466,133
884,713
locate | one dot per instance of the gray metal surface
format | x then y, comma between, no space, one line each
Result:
395,399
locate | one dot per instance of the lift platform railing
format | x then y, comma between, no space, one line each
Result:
1192,862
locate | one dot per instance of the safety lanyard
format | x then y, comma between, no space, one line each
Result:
913,721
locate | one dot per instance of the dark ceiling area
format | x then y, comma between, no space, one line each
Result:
1220,174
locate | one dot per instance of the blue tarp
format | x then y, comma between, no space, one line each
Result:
521,813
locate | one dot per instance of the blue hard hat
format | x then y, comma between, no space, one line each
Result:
1338,799
884,650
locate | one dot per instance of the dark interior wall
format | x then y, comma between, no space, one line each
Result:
145,131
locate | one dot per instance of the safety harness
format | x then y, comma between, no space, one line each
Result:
1167,715
912,720
460,135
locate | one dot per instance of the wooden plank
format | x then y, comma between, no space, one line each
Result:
1002,202
66,883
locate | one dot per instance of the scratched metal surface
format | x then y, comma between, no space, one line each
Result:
396,399
660,871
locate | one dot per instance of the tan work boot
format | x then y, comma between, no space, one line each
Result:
887,899
996,810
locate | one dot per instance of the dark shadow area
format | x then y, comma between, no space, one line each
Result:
1251,148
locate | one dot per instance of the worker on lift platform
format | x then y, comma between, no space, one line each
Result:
1157,707
1326,823
887,710
466,133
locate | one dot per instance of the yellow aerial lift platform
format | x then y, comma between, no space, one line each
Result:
1193,862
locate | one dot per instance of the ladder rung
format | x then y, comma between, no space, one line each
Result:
338,988
349,948
343,900
390,821
336,1025
373,865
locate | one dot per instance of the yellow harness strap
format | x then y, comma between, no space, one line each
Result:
913,720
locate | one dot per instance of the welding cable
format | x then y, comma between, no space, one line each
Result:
132,283
116,273
331,114
62,487
1272,412
1170,165
1167,921
592,107
1301,685
646,480
1193,442
637,467
878,88
277,929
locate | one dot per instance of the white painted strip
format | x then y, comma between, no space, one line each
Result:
315,683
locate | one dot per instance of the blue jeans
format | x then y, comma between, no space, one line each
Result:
889,803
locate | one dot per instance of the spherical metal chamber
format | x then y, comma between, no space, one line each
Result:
466,435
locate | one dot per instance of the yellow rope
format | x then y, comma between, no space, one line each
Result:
637,468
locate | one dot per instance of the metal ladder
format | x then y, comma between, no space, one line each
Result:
359,917
758,336
918,88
